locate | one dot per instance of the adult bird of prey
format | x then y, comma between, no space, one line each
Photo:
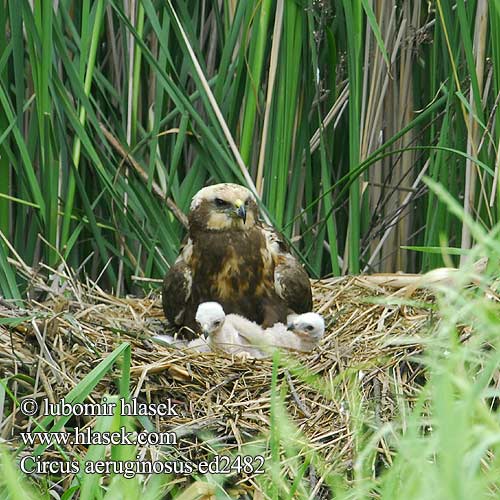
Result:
231,257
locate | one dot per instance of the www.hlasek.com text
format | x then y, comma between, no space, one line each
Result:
89,437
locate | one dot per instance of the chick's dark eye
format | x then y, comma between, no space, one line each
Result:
220,203
309,328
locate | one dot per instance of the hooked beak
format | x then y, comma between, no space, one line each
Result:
203,328
300,333
241,210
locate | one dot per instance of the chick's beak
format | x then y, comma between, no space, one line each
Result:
241,210
203,328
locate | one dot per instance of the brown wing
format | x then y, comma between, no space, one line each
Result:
290,279
177,286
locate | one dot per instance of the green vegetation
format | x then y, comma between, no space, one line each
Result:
113,113
332,110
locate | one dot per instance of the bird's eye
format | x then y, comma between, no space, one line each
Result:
220,203
247,202
309,328
217,323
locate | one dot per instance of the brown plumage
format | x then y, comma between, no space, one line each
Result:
231,257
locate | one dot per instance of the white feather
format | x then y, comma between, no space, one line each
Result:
169,341
235,334
222,335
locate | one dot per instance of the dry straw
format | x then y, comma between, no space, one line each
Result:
224,402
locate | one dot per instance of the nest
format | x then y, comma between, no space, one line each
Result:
224,403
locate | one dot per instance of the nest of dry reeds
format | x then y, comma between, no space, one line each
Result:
224,402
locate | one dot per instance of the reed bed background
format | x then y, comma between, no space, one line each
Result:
369,131
113,114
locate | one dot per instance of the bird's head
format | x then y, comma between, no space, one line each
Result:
210,316
310,326
223,206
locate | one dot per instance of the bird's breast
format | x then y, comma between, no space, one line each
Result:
232,265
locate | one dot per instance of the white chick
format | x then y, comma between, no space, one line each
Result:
309,328
303,333
221,333
200,344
